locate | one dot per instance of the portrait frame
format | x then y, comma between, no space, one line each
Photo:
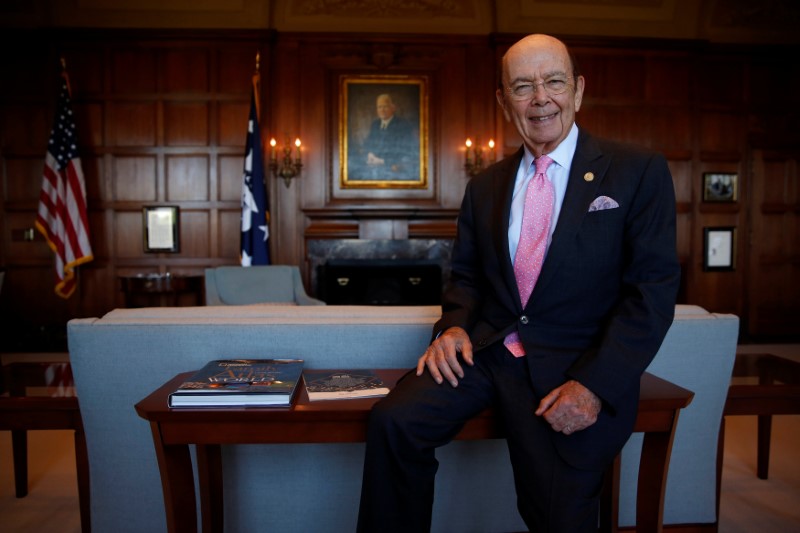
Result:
407,166
719,249
160,229
720,187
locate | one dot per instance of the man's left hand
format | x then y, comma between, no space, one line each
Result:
374,160
570,408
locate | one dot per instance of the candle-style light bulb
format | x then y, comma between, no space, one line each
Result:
297,144
469,145
491,150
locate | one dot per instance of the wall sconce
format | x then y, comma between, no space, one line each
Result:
288,168
474,157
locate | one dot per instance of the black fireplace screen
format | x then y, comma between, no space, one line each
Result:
380,282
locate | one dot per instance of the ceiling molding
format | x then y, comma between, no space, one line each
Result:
715,21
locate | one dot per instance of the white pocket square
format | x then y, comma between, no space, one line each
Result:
603,202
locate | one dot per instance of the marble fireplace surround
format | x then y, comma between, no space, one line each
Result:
405,251
381,232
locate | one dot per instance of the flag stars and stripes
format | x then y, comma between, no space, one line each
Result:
62,216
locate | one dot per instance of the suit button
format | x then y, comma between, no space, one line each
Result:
482,342
523,319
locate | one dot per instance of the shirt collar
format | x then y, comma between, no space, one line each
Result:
562,154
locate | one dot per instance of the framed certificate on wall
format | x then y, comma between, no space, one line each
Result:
160,228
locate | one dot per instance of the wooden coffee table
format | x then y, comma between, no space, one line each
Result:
174,430
777,392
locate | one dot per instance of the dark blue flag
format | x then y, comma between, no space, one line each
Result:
255,204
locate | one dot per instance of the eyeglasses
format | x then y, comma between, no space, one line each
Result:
525,90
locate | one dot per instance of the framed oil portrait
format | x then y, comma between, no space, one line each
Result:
720,187
719,248
160,228
383,132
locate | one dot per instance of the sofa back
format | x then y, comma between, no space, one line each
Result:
698,354
120,358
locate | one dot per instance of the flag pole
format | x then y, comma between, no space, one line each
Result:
257,84
76,272
62,216
65,75
255,201
257,93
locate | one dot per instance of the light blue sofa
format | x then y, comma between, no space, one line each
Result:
120,358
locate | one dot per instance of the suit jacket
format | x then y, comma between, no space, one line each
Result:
606,294
395,144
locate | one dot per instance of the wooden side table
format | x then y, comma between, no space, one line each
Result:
22,411
144,290
174,430
776,393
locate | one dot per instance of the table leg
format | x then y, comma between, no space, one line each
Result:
209,473
764,431
19,451
82,467
652,483
177,482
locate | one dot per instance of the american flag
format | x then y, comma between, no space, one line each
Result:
62,217
255,205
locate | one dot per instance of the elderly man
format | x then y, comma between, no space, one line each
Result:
390,144
564,280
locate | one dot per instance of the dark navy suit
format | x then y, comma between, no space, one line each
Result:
397,145
600,309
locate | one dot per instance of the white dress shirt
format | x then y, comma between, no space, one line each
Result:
557,173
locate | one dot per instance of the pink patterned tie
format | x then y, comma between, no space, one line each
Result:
536,213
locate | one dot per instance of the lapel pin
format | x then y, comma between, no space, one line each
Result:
589,176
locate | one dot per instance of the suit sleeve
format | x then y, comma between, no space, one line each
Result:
462,297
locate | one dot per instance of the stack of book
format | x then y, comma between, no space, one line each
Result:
241,383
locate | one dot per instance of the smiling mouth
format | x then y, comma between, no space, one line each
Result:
542,119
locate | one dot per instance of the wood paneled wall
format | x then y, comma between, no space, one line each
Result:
162,118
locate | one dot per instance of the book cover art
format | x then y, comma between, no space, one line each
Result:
240,382
343,384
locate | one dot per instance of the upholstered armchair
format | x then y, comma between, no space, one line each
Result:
276,284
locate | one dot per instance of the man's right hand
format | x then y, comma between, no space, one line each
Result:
441,357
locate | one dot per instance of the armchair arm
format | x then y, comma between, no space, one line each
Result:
300,296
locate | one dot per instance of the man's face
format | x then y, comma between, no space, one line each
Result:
543,120
385,108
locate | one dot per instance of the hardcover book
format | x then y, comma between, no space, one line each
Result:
240,383
343,384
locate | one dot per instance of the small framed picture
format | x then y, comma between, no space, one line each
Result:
718,187
719,248
160,228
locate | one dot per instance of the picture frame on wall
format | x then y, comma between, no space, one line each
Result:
383,132
720,187
161,228
719,249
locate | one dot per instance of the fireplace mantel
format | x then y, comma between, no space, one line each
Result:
371,222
